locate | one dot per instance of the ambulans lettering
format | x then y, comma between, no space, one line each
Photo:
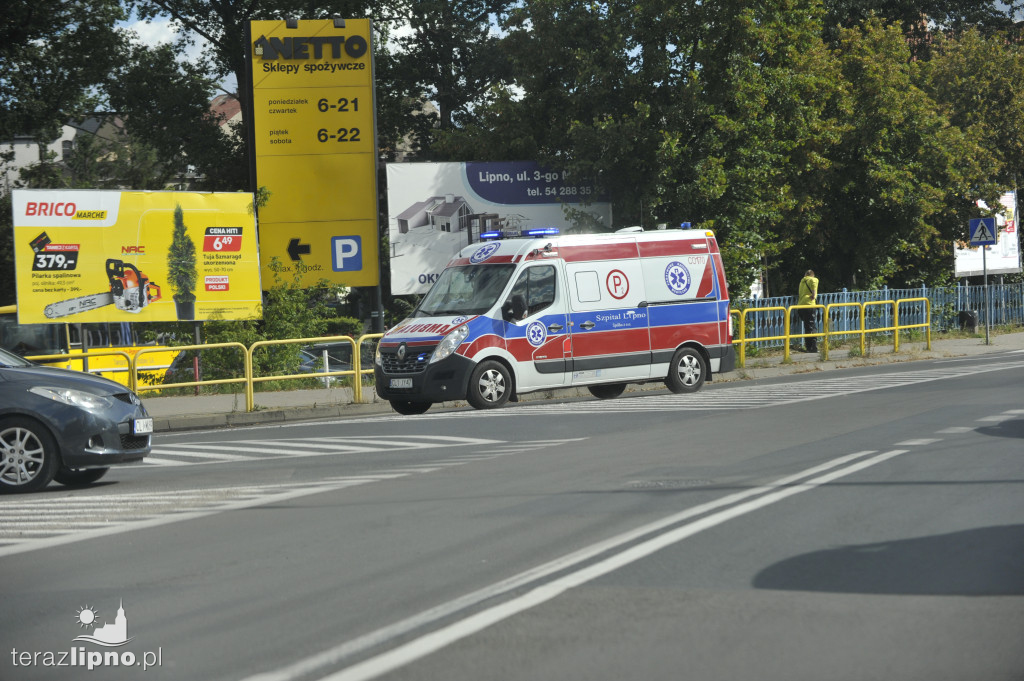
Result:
440,329
314,47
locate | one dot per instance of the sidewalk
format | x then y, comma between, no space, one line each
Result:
217,411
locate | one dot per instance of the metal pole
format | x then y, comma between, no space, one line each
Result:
988,307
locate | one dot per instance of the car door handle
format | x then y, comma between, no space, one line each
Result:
587,325
554,327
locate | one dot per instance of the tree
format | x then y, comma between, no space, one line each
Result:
902,179
181,267
975,79
747,148
450,56
166,102
53,56
921,22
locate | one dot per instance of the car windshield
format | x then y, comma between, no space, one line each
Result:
9,359
466,290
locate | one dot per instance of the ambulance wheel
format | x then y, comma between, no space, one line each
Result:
607,392
407,408
490,385
687,372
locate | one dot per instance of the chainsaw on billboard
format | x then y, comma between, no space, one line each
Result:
130,291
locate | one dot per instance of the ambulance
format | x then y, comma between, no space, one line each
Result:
509,316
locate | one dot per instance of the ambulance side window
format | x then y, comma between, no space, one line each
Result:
537,286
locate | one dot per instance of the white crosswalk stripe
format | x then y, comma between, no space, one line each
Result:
247,450
39,521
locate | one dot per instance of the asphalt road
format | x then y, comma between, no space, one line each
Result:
859,524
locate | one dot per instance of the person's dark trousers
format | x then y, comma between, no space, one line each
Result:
809,319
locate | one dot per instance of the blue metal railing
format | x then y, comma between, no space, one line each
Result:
1007,307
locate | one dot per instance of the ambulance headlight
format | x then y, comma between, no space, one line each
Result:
449,344
376,357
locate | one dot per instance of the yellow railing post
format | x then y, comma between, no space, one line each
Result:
357,363
741,317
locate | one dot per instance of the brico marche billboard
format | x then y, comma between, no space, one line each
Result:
109,256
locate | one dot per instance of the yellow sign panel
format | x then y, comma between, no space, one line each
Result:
307,199
313,113
108,256
313,251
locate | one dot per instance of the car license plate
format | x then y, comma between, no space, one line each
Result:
401,383
142,426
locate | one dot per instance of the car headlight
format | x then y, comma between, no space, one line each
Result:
449,344
376,357
76,398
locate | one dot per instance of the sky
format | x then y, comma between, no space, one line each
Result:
164,30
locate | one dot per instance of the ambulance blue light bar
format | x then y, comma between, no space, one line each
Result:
520,234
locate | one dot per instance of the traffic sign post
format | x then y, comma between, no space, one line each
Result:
983,234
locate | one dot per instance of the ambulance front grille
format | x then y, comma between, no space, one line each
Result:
412,363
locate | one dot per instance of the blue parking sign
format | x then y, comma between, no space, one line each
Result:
347,253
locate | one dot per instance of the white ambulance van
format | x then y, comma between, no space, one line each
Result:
517,315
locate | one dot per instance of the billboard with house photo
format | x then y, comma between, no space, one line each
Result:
436,209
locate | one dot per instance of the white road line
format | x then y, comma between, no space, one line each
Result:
442,638
920,442
955,430
339,653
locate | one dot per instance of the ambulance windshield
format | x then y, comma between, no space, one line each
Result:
467,290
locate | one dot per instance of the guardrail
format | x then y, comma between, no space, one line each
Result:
827,332
93,353
248,376
245,378
357,372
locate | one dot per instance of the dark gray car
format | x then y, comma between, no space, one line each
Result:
63,425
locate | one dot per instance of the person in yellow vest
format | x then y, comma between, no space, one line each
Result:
808,295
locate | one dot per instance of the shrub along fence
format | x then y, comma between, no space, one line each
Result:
953,307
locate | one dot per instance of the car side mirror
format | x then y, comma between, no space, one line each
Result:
514,308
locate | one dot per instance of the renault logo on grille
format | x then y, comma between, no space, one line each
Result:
401,352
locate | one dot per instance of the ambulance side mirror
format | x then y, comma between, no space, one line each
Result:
514,308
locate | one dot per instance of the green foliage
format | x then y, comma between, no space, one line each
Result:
288,312
53,56
181,261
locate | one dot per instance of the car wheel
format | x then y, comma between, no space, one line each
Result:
687,372
489,386
29,455
407,408
79,477
607,392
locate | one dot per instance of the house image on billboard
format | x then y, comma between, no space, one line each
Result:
448,213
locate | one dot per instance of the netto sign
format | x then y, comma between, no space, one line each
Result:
309,47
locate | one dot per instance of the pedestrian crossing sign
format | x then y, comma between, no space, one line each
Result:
983,231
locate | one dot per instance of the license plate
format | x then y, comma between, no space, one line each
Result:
401,383
142,426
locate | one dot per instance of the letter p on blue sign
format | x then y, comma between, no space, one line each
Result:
347,253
